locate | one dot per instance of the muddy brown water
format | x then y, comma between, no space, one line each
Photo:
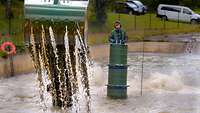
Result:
171,85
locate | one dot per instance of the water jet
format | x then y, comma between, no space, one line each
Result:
55,33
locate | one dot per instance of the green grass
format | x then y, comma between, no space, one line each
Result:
2,54
143,27
16,23
197,10
98,34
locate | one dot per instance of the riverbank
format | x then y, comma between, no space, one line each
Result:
102,51
23,63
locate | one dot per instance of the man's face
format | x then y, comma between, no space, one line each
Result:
118,26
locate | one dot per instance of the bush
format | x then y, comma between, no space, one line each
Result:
98,10
3,54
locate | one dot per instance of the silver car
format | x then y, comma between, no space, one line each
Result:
142,9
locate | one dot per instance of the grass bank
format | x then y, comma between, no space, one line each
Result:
138,27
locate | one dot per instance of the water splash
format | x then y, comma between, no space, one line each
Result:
62,67
36,55
191,45
161,81
81,67
72,75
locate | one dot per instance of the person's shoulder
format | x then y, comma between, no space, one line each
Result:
113,31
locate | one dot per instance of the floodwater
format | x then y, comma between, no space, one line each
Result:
171,85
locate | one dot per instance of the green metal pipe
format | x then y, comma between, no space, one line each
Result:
117,75
118,54
56,11
56,2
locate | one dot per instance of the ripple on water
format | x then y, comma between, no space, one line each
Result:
167,89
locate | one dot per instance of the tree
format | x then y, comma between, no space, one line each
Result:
98,11
3,2
8,11
189,3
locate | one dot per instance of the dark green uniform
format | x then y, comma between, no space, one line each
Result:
118,36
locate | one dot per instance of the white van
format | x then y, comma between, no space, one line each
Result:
179,13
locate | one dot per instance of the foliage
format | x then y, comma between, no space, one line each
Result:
7,39
16,24
98,12
20,48
3,54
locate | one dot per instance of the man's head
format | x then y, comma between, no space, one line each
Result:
117,25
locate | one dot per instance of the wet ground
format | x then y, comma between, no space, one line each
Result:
175,38
171,85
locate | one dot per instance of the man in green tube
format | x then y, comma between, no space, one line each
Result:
118,35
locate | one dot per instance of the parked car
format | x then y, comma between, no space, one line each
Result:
142,9
124,7
178,13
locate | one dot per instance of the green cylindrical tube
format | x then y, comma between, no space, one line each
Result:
117,78
55,1
117,75
118,54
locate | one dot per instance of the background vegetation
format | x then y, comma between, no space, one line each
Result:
101,19
137,27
